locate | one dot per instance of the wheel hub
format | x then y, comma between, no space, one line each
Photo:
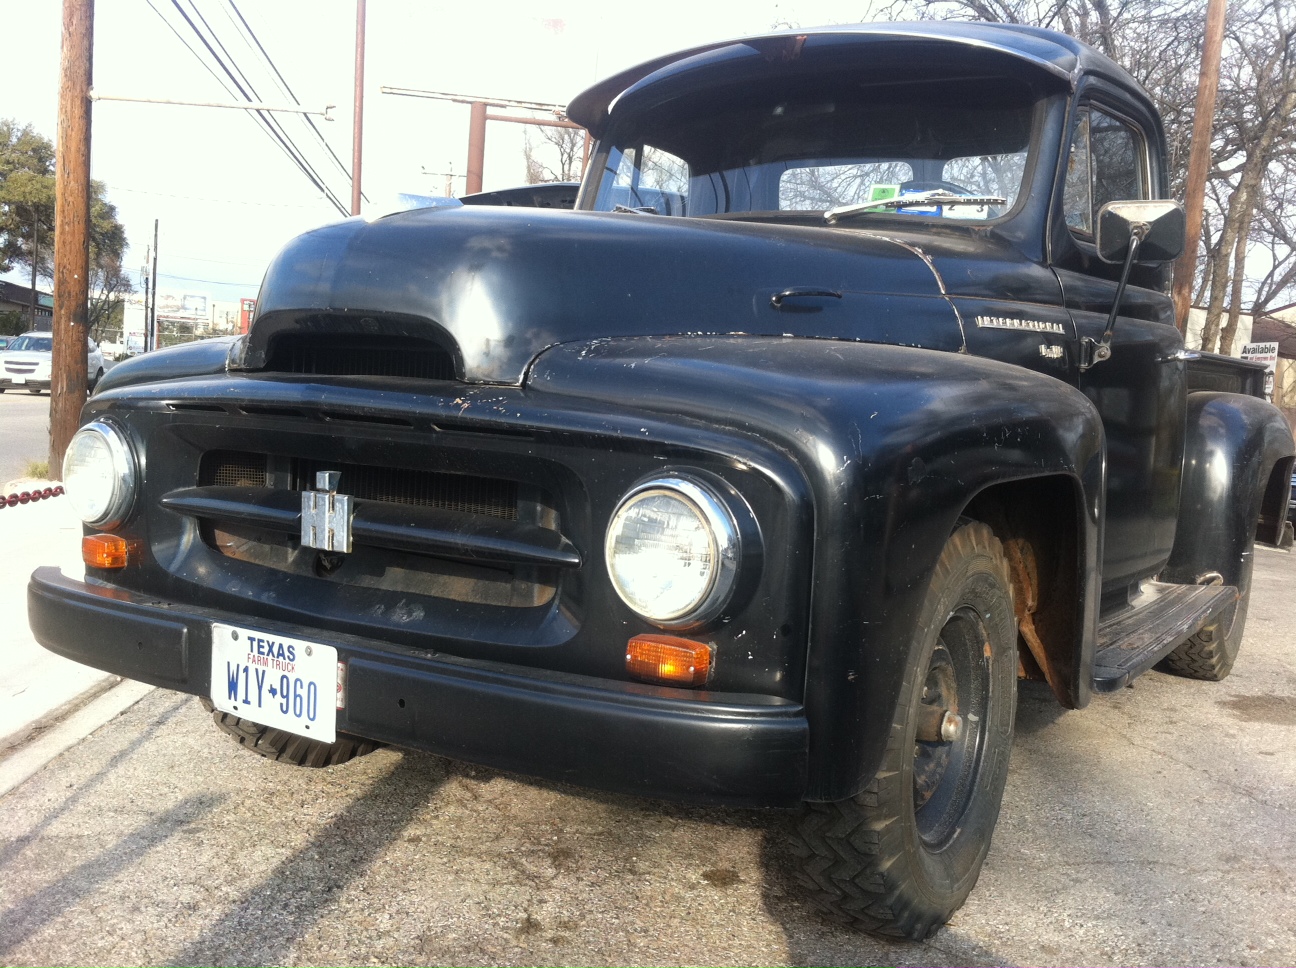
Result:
950,727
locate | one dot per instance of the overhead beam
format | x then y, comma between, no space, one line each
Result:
236,105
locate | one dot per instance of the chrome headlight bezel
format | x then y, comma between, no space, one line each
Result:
124,477
725,540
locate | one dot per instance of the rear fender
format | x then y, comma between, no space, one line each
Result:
1234,443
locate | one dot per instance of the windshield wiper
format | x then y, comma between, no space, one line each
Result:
939,196
641,210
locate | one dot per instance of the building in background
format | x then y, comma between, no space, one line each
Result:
15,305
181,318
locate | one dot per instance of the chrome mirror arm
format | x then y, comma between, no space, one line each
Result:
1093,351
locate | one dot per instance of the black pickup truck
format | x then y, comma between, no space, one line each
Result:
848,395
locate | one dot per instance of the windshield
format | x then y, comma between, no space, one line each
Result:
818,143
39,344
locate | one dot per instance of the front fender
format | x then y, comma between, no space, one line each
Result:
200,358
1234,441
894,443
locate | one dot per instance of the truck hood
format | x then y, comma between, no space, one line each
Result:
497,286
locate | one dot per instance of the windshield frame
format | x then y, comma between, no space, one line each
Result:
1042,100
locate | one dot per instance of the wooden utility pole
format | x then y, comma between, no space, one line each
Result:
357,127
71,230
1199,159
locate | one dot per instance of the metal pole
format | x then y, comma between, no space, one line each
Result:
35,259
357,129
476,146
1199,159
540,121
71,230
152,324
233,105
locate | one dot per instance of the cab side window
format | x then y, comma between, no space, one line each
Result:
1108,163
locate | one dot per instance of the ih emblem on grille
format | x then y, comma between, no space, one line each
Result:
326,515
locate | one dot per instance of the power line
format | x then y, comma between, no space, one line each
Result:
211,282
270,128
249,93
223,83
289,91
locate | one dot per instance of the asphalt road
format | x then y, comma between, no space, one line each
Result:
1154,827
24,431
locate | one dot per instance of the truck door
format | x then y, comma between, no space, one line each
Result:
1139,391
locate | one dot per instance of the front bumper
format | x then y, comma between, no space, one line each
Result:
29,383
671,744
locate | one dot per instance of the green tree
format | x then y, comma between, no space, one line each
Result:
27,220
26,200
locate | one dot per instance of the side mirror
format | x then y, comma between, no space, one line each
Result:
1160,227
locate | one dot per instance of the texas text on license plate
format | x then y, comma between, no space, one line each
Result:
274,680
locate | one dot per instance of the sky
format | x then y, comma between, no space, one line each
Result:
226,197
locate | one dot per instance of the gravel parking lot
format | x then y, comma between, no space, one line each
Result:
1155,827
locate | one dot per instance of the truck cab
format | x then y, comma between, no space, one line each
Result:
848,394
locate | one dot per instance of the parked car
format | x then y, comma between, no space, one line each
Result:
848,394
26,363
4,342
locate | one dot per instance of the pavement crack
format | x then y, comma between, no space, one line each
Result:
1201,771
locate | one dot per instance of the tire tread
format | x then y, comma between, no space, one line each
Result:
288,748
848,852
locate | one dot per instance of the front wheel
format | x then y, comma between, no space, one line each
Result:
284,747
902,856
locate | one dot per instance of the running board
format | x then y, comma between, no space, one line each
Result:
1160,618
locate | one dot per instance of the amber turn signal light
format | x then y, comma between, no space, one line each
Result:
668,659
105,551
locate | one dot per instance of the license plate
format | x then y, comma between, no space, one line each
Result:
18,380
273,680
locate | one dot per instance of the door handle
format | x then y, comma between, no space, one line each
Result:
779,299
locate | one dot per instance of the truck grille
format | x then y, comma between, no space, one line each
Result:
482,540
394,485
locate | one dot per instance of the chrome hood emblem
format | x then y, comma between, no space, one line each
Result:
326,515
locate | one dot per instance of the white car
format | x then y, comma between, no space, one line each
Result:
26,362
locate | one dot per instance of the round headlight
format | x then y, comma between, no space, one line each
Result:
672,551
99,474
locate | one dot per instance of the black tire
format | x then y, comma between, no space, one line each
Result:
1210,653
282,747
34,391
901,857
95,382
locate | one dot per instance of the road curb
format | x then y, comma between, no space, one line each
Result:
31,757
13,741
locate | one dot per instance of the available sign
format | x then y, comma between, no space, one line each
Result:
1266,353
